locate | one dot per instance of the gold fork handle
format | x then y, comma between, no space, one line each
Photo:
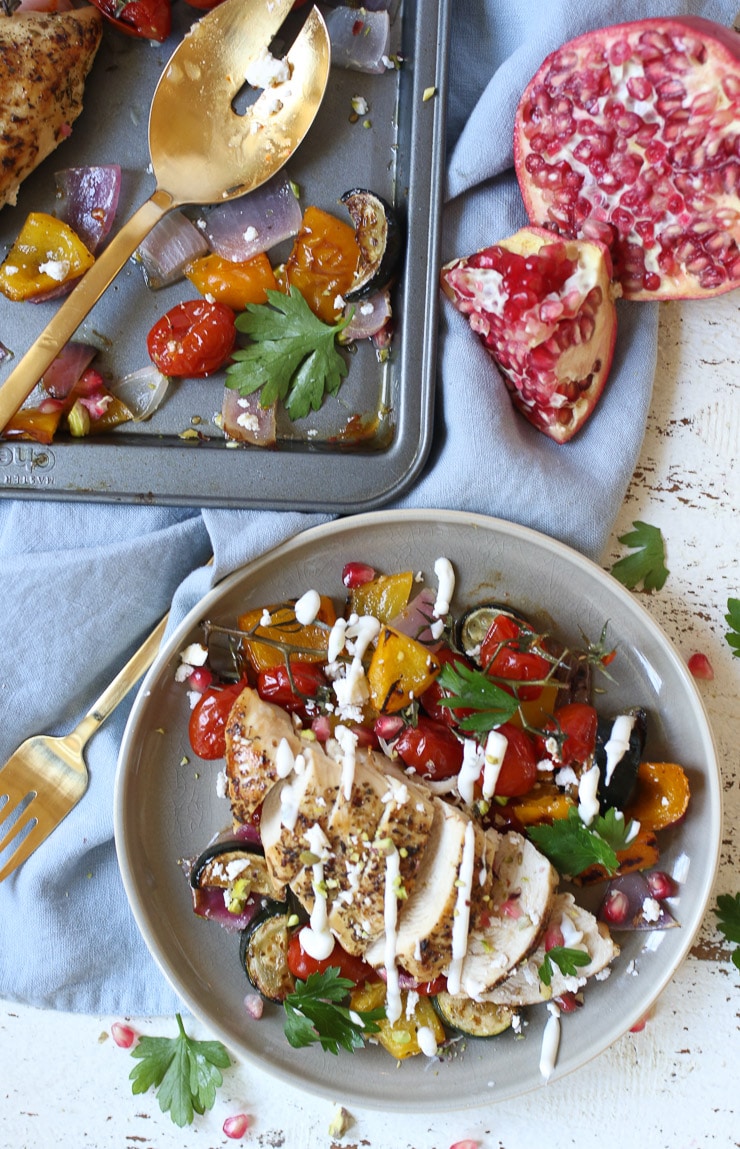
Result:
121,685
22,380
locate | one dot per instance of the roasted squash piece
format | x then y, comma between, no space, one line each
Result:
661,795
400,670
310,642
544,803
400,1038
641,854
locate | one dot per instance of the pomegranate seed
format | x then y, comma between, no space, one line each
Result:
467,1144
123,1035
200,679
616,907
236,1127
660,884
254,1005
640,1025
321,728
568,1002
700,666
553,937
388,726
357,574
511,908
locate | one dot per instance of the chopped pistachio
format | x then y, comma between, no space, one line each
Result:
341,1122
78,420
307,858
429,94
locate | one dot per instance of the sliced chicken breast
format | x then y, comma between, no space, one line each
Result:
254,731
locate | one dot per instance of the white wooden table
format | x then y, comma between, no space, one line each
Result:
673,1085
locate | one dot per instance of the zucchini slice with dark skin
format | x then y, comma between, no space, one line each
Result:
264,951
227,861
475,624
379,238
618,790
473,1018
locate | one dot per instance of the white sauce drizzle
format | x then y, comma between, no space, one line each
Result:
348,743
337,636
390,922
427,1040
496,744
284,759
588,803
618,744
472,764
307,607
316,939
445,587
461,919
550,1041
353,689
290,800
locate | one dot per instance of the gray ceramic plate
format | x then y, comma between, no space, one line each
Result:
167,808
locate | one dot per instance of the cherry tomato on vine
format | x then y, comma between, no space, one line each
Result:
430,748
207,725
302,964
274,685
502,657
194,338
145,19
518,772
578,722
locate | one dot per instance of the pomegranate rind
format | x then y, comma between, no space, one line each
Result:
631,134
555,356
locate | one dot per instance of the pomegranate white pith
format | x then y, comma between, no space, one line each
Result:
544,309
631,135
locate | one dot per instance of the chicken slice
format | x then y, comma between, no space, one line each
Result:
580,930
292,806
521,894
254,731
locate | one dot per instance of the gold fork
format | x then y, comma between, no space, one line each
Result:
50,775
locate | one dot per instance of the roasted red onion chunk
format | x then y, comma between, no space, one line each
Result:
89,200
631,135
245,227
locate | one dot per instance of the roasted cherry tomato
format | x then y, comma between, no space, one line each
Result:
578,722
145,19
297,697
208,720
431,696
194,338
518,772
430,748
302,964
503,654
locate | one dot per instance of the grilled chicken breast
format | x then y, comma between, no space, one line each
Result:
44,61
472,904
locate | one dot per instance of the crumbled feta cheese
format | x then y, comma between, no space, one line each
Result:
56,269
266,70
651,910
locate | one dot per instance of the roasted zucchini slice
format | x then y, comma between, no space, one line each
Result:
379,239
226,862
618,776
476,623
264,952
473,1018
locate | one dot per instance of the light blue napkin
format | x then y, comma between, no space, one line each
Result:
83,583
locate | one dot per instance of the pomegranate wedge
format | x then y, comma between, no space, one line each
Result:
544,310
631,135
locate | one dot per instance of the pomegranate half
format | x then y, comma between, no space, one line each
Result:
631,135
544,309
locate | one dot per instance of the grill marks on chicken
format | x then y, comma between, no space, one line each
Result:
509,901
44,61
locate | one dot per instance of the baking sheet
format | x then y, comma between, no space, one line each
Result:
364,446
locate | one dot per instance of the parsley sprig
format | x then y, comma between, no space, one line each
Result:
567,961
184,1072
647,564
314,1013
292,354
732,618
573,847
728,920
473,690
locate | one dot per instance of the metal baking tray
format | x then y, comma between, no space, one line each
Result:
367,444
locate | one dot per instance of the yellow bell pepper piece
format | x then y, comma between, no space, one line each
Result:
400,670
310,641
384,596
46,254
400,1038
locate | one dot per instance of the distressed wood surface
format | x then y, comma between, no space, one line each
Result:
672,1085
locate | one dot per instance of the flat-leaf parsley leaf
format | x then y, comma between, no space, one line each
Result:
567,961
728,914
292,354
314,1013
647,564
572,846
732,618
184,1072
474,690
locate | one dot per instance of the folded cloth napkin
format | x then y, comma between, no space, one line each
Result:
83,583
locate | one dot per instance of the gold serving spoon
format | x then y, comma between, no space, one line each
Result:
202,151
